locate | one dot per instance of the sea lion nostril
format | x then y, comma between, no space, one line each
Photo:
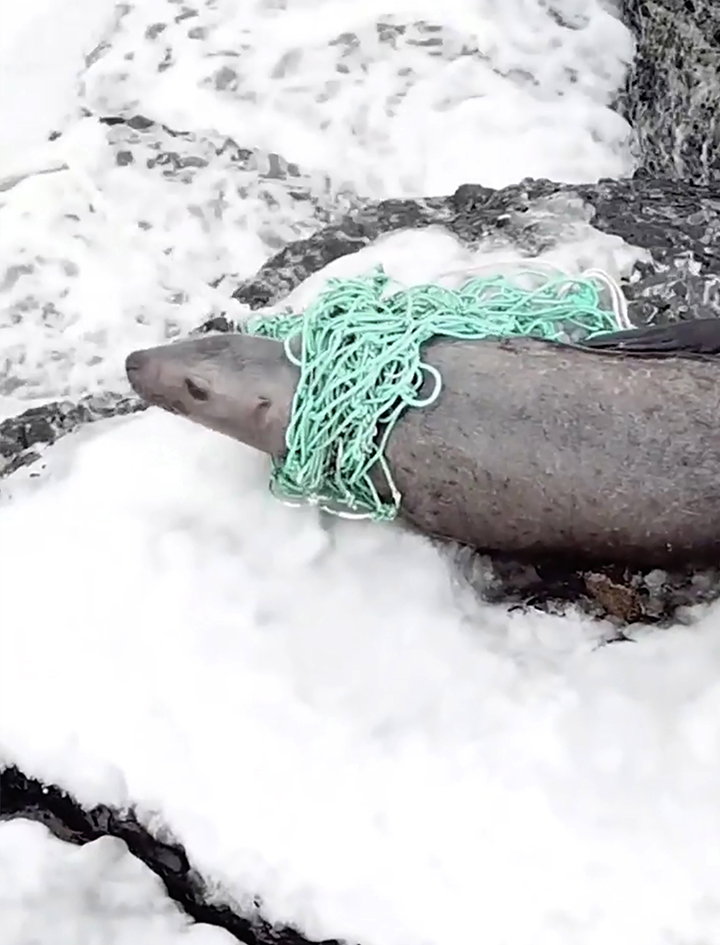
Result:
195,391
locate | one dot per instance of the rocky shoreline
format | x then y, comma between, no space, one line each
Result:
670,209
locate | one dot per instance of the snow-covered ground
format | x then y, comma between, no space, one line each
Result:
53,892
42,44
317,710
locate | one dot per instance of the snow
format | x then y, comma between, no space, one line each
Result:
325,717
95,895
42,46
320,711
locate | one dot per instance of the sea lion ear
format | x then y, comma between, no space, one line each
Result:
269,425
263,414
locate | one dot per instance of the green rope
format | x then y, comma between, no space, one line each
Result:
360,363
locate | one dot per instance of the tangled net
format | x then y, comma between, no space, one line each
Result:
358,347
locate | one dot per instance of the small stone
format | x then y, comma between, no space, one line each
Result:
618,600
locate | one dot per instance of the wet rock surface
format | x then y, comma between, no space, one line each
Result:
23,438
676,223
672,93
617,593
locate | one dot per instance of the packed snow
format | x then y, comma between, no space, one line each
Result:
321,711
97,894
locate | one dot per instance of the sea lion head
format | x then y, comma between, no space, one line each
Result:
236,384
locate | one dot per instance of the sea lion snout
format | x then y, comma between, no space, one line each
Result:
133,367
238,385
139,367
144,370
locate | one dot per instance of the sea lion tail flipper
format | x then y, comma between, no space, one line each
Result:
696,337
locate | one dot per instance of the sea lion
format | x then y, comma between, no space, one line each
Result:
606,451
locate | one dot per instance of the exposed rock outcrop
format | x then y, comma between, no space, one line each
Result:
672,94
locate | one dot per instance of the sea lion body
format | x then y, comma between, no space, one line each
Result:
532,448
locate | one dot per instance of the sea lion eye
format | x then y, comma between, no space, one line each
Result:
195,391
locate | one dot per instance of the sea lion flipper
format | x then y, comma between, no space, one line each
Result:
698,337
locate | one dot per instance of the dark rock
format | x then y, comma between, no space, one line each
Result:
218,324
678,223
22,437
293,264
140,123
25,797
672,94
617,593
